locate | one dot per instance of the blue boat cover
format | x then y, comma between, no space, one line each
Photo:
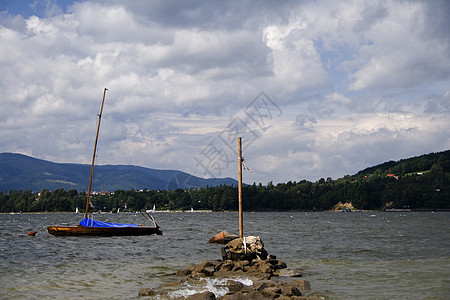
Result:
86,222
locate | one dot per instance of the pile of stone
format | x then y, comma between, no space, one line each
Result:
241,258
255,268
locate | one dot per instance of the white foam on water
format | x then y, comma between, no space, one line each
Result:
215,285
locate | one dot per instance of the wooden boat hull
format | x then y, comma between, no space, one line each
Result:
102,231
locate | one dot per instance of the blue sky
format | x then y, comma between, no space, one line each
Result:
316,89
27,8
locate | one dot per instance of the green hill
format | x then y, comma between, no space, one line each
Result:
418,164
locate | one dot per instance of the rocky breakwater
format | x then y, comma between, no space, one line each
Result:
246,271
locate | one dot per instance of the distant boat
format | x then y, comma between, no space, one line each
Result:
192,210
93,227
151,210
76,210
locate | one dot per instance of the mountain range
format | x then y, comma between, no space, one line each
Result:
21,172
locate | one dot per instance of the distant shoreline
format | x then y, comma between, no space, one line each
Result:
231,211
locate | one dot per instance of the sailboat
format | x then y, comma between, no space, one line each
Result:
91,227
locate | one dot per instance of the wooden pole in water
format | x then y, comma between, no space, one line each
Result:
241,226
93,156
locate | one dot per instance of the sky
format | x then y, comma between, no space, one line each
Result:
315,89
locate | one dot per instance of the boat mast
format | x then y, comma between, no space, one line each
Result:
93,156
241,226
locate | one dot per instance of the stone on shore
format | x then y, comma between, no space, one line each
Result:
234,286
202,296
301,284
269,276
287,273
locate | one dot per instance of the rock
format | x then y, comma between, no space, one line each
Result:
197,275
287,273
254,295
223,237
264,267
227,265
241,265
190,280
244,263
207,268
271,292
209,271
296,298
203,265
202,296
290,291
247,248
280,265
236,267
147,292
184,272
301,284
262,284
234,286
252,269
217,263
170,284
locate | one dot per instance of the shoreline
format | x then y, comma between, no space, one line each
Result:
234,211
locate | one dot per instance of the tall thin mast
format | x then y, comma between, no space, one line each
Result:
93,156
241,226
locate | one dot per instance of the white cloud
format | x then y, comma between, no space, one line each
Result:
338,98
357,83
403,50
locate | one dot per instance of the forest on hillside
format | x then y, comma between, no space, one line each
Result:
417,183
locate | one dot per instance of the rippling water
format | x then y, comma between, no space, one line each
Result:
370,255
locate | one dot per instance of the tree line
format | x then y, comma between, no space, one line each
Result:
384,186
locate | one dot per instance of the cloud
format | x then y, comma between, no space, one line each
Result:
355,83
403,50
438,104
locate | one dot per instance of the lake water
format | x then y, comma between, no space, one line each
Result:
360,255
